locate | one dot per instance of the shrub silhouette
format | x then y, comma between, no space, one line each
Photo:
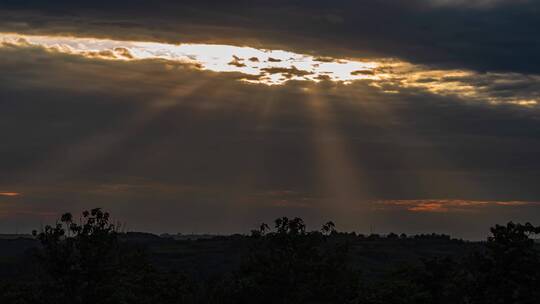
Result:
291,265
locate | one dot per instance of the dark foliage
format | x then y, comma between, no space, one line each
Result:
87,261
290,265
509,269
506,271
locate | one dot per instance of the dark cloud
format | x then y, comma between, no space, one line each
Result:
286,72
237,62
482,35
150,138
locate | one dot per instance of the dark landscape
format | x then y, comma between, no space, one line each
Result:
270,151
91,262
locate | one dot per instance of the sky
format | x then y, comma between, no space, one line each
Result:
210,116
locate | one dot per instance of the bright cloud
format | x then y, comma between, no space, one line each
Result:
270,67
276,67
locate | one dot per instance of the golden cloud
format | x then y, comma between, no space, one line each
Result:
442,206
277,67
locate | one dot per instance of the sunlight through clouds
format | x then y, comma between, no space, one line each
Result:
277,67
271,67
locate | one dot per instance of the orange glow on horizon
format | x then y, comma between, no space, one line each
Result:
443,206
10,194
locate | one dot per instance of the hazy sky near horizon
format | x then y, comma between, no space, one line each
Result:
212,116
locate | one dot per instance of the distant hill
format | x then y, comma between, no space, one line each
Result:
15,236
209,255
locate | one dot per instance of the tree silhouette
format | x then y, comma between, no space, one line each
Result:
328,228
506,270
509,270
86,263
291,265
86,260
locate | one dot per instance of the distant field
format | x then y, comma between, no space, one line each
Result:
206,258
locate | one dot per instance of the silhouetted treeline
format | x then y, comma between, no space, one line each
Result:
86,260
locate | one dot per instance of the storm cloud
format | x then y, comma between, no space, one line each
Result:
481,35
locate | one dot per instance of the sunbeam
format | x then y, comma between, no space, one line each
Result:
345,188
71,158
